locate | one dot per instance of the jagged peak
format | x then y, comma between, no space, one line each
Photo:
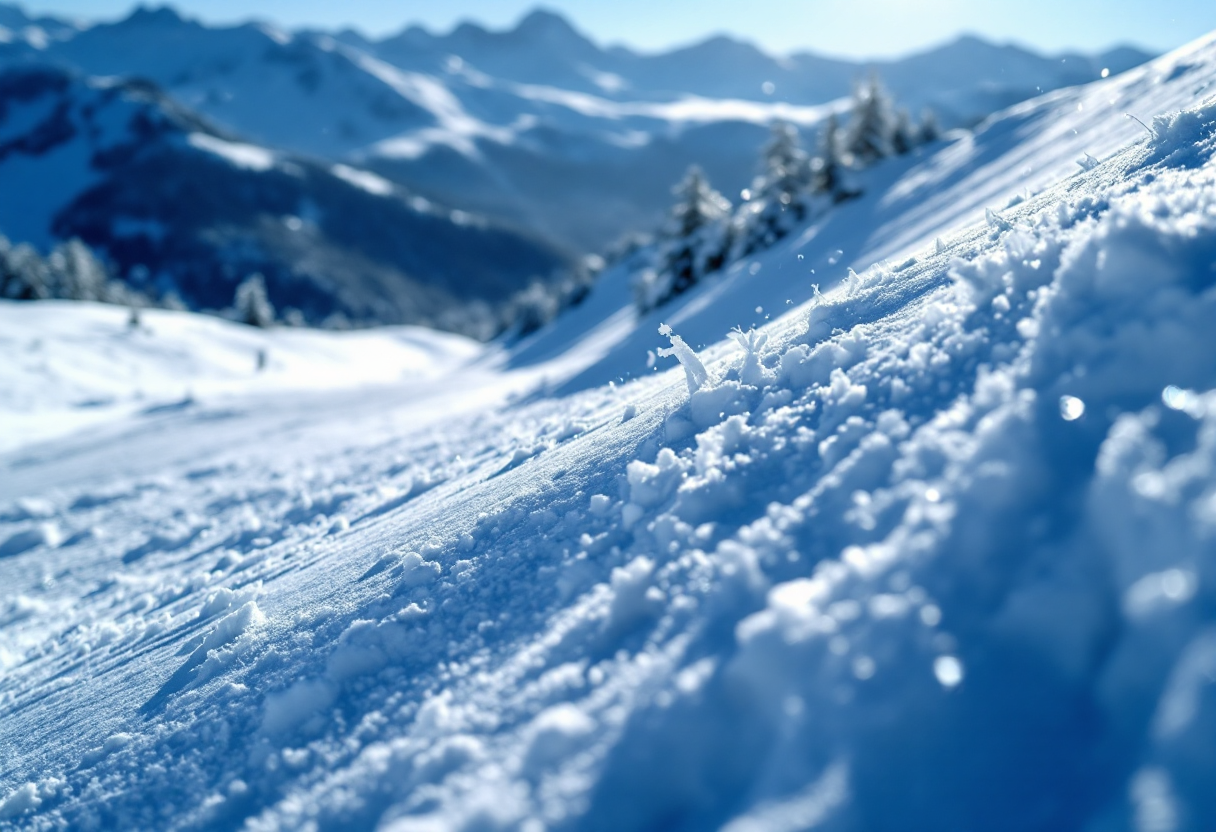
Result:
147,14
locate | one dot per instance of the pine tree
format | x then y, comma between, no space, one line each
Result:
697,205
693,248
827,167
787,168
251,303
779,194
694,242
23,274
869,134
76,273
903,134
929,131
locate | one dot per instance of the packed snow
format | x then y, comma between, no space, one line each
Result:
927,547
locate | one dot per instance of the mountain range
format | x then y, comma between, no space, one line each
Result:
550,140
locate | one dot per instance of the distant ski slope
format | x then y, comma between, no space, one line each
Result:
937,555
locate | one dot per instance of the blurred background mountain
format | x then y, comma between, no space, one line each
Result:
417,178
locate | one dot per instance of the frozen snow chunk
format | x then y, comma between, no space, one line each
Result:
752,371
1088,162
569,430
651,485
1184,139
225,599
710,405
601,505
634,598
715,446
694,371
417,572
232,627
44,534
996,221
19,801
113,743
557,732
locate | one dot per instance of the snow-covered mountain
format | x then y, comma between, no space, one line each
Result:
183,208
932,548
536,126
544,49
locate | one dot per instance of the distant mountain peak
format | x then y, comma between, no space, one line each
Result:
546,23
147,14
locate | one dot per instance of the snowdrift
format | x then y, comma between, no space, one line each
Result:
932,550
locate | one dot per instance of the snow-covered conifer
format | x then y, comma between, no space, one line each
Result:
903,134
76,273
251,303
827,167
779,196
787,168
23,274
868,138
694,243
694,239
929,130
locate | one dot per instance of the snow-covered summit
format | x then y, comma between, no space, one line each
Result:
930,549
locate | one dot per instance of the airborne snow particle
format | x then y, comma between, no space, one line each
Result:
1175,398
1071,408
931,615
948,670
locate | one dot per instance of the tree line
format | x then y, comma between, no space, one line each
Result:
705,232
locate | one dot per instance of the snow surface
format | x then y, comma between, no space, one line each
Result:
933,551
75,364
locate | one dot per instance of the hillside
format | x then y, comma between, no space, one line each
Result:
183,209
931,550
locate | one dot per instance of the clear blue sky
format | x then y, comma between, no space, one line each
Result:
843,27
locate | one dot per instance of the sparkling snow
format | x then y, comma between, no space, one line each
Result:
854,572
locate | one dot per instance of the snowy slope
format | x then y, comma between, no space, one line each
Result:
75,364
936,555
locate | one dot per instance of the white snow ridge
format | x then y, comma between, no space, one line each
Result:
931,551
